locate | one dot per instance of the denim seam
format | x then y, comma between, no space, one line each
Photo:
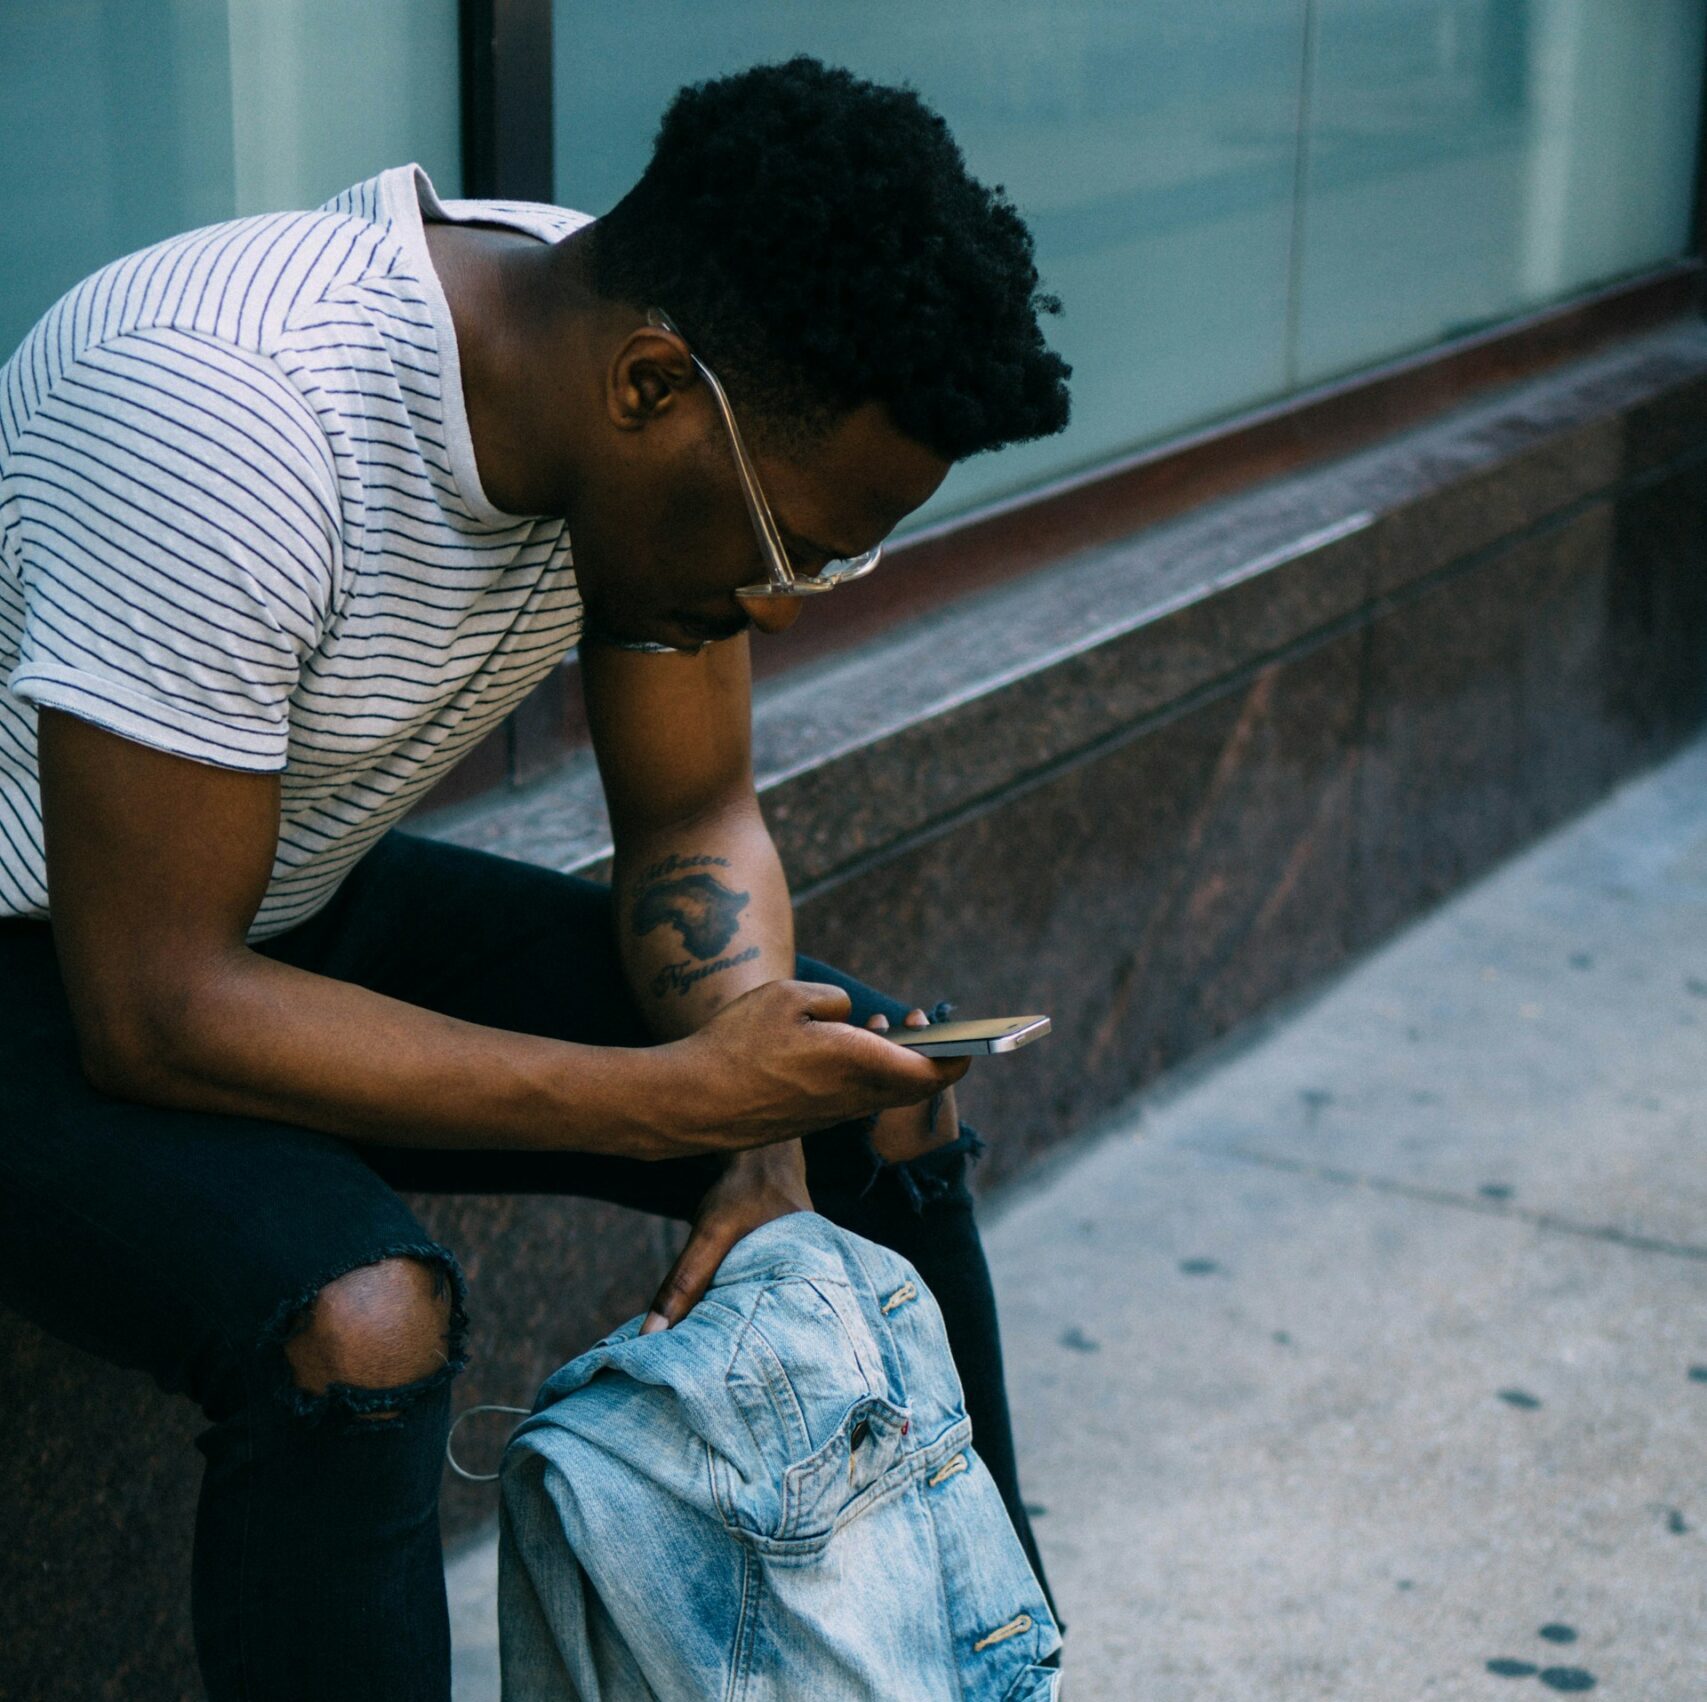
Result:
772,1377
878,1295
839,1298
939,1572
752,1588
802,1479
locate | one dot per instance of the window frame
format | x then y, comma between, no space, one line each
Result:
506,100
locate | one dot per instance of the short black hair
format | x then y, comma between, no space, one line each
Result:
821,244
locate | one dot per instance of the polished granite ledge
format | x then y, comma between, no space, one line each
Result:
861,752
1165,886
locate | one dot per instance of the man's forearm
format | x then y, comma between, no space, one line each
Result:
260,1038
702,914
253,1037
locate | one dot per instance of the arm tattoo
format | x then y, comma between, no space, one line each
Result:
679,977
674,865
696,904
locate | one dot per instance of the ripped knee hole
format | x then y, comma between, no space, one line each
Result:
372,1339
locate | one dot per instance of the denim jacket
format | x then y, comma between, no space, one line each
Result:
776,1500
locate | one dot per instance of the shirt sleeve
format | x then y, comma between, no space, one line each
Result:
176,526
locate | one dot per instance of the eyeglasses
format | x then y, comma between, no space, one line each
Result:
783,580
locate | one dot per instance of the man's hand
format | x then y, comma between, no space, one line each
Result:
906,1132
783,1060
765,1183
756,1186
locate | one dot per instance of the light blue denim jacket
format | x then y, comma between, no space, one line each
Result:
776,1500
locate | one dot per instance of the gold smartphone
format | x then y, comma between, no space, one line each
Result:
968,1039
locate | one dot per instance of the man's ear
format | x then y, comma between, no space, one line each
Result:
647,375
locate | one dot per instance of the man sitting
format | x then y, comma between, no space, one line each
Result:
293,510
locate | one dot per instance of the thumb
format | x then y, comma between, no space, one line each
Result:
690,1276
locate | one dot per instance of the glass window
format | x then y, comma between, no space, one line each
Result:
327,92
1151,148
124,121
115,126
1470,160
1233,198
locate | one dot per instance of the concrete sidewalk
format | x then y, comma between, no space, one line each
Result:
1367,1358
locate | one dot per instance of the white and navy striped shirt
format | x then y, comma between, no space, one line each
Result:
240,521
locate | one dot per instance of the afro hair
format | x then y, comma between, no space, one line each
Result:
821,244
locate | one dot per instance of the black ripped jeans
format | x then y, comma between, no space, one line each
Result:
190,1246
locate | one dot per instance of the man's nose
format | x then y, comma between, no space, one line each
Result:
771,614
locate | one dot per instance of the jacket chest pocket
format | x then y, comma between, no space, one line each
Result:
867,1456
796,1511
820,1440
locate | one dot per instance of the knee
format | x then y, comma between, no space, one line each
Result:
378,1327
909,1131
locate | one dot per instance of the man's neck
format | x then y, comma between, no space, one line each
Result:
526,357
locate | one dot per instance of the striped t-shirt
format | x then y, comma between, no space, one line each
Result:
240,521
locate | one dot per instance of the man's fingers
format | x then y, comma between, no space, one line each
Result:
690,1276
920,1075
914,1018
902,1076
823,1002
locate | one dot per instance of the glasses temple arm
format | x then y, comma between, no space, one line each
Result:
757,507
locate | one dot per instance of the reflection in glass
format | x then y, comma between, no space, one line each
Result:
1469,160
